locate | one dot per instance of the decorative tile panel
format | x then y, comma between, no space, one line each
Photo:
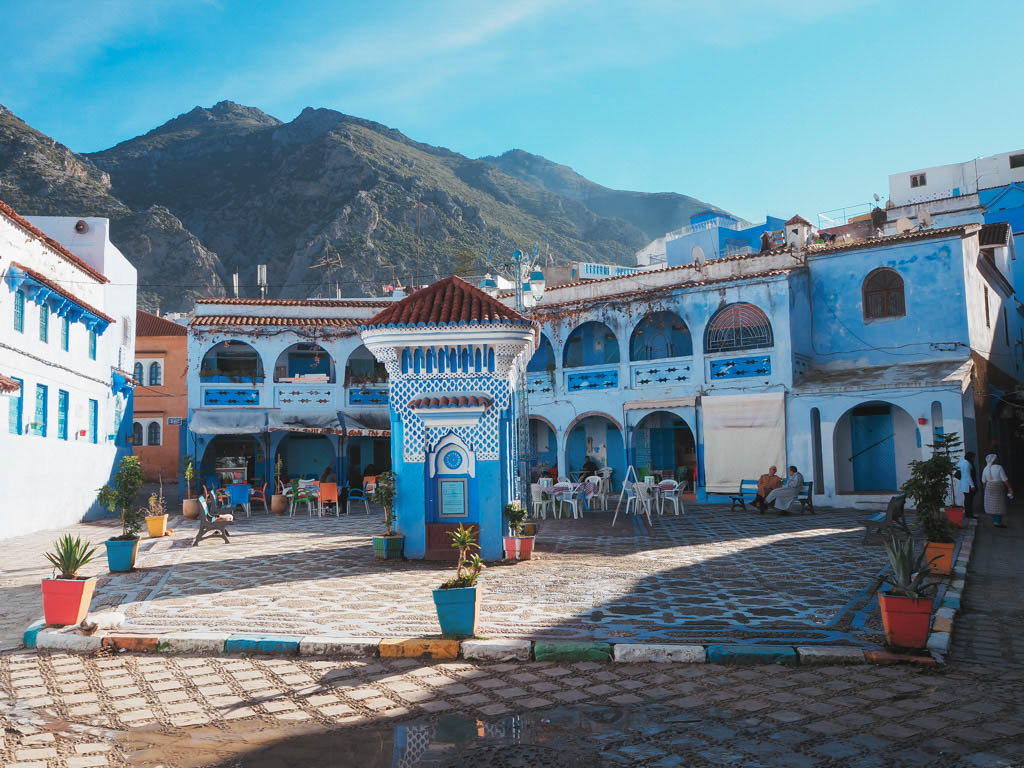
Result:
540,383
754,366
605,378
230,396
304,395
369,396
661,373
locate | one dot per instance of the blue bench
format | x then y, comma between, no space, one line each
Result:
747,488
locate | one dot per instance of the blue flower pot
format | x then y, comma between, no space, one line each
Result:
121,554
457,610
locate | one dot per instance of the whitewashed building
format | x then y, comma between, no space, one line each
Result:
67,302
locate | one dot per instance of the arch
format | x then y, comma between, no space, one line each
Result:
304,360
592,343
363,368
543,358
232,360
153,433
663,440
817,462
600,437
306,455
697,255
938,427
136,433
155,377
660,335
883,294
873,445
543,448
137,373
737,327
431,360
490,361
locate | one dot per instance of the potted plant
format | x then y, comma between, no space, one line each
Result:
929,480
906,608
949,445
390,545
190,508
122,550
156,514
67,595
517,545
458,600
278,501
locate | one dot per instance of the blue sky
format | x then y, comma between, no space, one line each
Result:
778,106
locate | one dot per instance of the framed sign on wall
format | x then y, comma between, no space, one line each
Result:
452,495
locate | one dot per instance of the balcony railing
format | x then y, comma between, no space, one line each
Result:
230,395
364,396
757,366
540,383
586,379
291,395
662,373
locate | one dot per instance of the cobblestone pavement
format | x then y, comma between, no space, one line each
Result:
706,576
990,628
68,711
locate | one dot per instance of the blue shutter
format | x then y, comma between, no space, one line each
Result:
14,410
62,414
65,334
19,311
40,417
94,413
44,323
92,345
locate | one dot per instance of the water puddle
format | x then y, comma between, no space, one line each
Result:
581,738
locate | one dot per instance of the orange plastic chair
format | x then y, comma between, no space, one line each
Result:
329,495
260,494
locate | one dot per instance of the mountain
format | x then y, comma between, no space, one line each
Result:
40,177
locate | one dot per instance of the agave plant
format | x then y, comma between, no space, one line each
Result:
70,555
468,570
908,571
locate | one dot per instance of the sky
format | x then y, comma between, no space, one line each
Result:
756,106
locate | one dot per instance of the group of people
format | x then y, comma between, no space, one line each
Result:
995,486
772,491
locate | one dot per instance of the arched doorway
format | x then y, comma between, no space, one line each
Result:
600,438
544,358
543,448
591,343
362,368
232,361
306,363
231,459
664,442
305,456
874,443
660,335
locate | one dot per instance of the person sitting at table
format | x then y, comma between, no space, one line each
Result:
328,475
784,497
589,467
765,485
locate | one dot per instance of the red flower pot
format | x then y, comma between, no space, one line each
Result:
66,601
955,515
906,620
518,547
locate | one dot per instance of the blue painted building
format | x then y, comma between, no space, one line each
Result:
714,235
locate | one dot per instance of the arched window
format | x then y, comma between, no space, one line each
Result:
591,343
544,358
304,361
138,373
153,436
136,434
154,374
363,368
660,335
232,361
737,327
883,294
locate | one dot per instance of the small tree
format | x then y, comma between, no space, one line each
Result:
949,445
278,469
190,475
156,507
384,494
120,499
516,517
927,487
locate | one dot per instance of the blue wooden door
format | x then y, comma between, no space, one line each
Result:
874,454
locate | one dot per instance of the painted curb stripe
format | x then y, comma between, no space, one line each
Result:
277,644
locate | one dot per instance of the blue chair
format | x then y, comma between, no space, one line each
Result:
238,495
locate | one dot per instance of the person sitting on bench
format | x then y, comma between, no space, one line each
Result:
782,498
765,485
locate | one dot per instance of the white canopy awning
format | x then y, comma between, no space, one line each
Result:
227,421
743,436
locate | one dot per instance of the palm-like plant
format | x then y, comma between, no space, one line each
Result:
69,556
468,569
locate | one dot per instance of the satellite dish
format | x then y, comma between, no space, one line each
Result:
903,224
877,198
925,218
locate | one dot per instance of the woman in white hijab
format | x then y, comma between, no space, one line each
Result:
996,485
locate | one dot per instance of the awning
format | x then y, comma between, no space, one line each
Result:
226,421
743,436
669,402
336,423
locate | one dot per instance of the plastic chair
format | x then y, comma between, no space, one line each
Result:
602,498
300,496
574,500
359,494
540,504
329,495
238,496
670,495
260,494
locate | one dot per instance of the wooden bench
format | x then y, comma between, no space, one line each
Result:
747,488
882,524
212,525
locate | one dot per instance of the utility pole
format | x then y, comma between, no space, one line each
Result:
328,263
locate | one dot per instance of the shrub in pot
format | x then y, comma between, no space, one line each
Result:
390,545
278,501
458,600
156,514
67,595
517,545
906,608
927,488
949,445
190,508
122,550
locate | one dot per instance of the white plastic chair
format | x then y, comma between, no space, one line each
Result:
574,500
540,504
564,479
670,495
597,494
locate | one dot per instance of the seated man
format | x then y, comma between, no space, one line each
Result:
765,485
782,498
589,467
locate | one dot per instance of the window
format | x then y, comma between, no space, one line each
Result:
62,414
14,409
118,413
918,180
154,374
138,373
44,324
1006,328
153,433
136,434
19,311
988,322
94,417
39,420
65,334
883,294
1017,161
92,345
736,327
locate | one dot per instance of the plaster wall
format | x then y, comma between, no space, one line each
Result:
955,179
168,399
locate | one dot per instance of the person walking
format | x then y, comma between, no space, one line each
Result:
968,486
996,486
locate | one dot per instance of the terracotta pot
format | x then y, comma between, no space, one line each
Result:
905,620
66,601
941,554
278,504
955,515
157,525
190,509
518,547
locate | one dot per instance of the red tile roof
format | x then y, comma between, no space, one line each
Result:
451,301
993,235
798,219
57,289
454,401
8,384
148,324
217,320
63,252
369,303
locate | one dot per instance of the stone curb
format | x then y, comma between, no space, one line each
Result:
944,621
